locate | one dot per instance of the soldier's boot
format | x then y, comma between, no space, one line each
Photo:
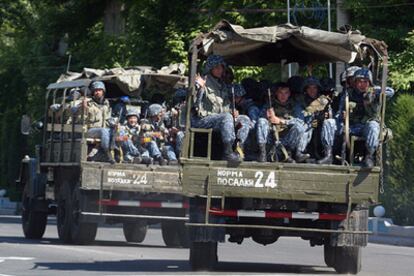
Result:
369,159
160,160
173,162
262,153
146,160
110,157
328,156
289,158
229,155
301,157
137,160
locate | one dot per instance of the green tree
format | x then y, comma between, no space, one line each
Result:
399,189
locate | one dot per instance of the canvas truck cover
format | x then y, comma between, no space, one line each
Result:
273,44
132,81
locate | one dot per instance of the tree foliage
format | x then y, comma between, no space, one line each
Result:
399,189
157,33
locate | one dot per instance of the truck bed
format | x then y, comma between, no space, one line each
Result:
304,182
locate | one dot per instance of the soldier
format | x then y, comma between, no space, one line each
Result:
313,110
158,146
281,114
178,120
364,113
244,112
212,107
129,134
97,111
119,110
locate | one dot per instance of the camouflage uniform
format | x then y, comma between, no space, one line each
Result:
306,110
365,110
212,107
154,147
130,147
328,125
291,133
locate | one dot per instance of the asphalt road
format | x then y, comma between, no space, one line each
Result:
110,255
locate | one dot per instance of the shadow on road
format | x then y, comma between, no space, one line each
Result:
171,266
119,266
52,241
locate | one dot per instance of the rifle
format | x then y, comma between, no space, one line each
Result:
278,145
345,142
239,150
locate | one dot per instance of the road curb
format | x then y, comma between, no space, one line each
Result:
386,232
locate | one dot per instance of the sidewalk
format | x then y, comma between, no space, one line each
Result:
386,232
7,207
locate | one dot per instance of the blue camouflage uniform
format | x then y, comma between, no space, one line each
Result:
96,118
364,117
212,107
155,148
291,133
306,110
130,147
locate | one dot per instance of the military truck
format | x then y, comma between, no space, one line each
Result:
60,181
324,204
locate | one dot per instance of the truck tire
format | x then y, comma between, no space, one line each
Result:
63,213
347,260
328,254
135,232
81,232
33,222
203,256
175,234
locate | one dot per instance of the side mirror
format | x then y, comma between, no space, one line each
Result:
25,125
38,125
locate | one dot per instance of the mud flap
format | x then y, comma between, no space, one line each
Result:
202,233
358,221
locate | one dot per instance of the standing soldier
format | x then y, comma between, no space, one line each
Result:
315,109
212,107
364,112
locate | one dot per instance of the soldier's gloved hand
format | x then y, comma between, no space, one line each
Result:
55,107
314,123
200,81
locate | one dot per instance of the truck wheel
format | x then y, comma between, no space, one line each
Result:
203,256
81,232
347,259
175,234
328,254
33,223
135,232
63,214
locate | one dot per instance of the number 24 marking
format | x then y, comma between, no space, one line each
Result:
270,180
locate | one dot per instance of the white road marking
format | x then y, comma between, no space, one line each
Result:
2,259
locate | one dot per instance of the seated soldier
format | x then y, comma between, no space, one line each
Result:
97,111
177,120
243,107
281,114
313,110
158,147
212,106
119,109
365,110
129,134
